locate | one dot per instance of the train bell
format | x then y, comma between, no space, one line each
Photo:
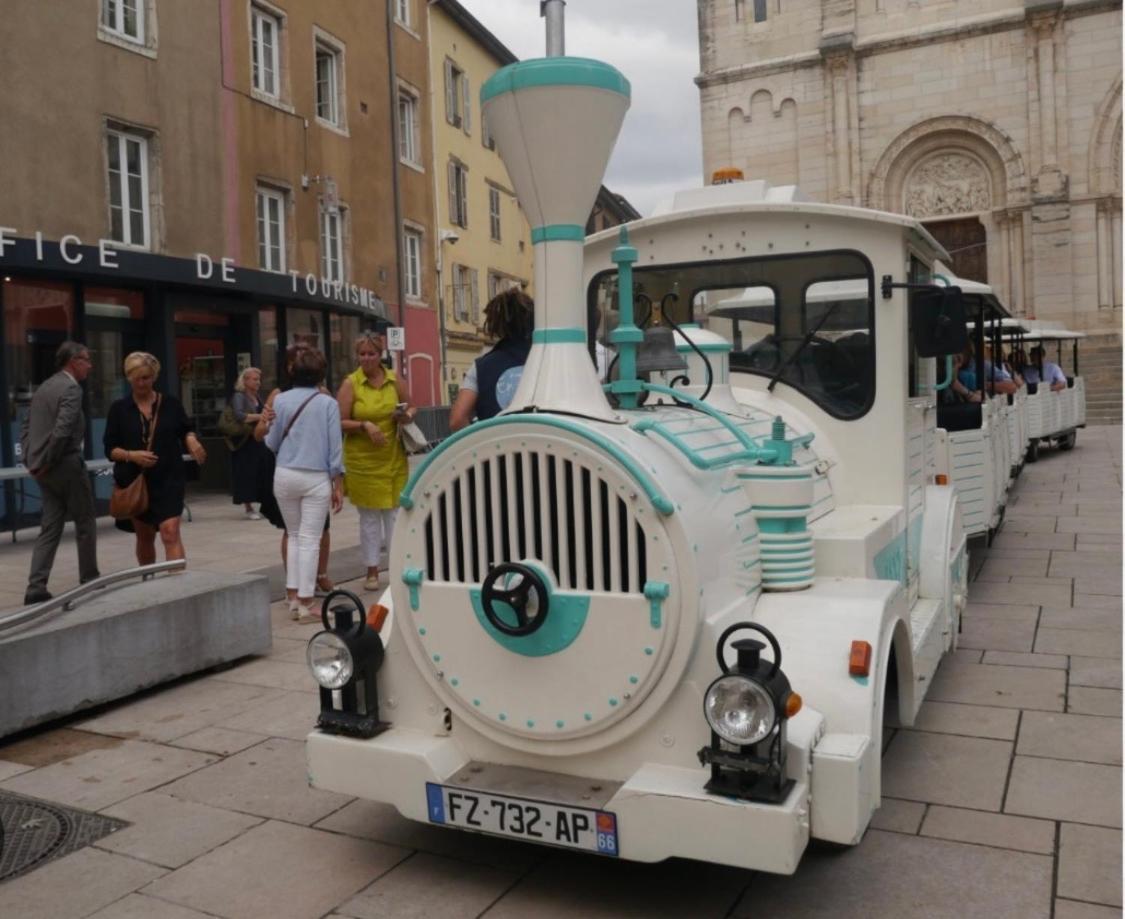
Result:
658,352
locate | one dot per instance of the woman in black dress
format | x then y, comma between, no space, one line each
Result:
127,430
249,457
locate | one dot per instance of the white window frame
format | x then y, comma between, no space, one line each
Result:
402,12
121,138
466,294
112,19
259,16
333,264
457,176
409,143
412,263
268,239
486,137
325,44
494,226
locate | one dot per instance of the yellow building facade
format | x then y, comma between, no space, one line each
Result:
482,238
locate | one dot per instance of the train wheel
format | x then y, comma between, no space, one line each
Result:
1033,452
1067,441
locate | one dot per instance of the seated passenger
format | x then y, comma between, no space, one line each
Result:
963,387
997,378
1043,371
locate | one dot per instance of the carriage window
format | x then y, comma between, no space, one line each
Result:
807,319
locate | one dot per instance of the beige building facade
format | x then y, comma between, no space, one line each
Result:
483,240
997,124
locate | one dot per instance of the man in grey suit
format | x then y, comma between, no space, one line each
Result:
51,443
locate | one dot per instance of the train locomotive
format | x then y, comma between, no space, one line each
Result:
668,616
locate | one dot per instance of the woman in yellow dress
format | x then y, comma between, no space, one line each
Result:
373,401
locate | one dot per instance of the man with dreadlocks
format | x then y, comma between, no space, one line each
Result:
490,383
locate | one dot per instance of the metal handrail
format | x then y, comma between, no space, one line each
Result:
67,599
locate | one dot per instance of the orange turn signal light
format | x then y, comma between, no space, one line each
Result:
941,479
793,704
376,616
859,663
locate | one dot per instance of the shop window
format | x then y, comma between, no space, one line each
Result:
332,243
494,213
305,327
127,162
458,193
329,81
343,330
124,19
412,252
113,303
271,229
265,53
408,145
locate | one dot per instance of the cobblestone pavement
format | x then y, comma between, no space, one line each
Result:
1003,800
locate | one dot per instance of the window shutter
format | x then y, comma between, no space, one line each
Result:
451,174
466,97
450,90
473,279
464,196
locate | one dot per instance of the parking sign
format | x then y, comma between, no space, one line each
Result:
396,338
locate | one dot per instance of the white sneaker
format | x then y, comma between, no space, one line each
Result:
294,610
253,515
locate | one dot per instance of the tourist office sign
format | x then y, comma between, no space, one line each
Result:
108,259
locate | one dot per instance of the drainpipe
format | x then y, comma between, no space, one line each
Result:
392,81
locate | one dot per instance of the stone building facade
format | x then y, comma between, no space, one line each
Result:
998,124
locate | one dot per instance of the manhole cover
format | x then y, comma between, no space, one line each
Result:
33,832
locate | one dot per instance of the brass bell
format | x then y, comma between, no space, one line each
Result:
658,351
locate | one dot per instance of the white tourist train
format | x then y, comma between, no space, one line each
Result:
670,616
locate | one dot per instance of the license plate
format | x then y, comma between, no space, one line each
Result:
541,821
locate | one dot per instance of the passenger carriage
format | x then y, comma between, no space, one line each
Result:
1054,416
670,617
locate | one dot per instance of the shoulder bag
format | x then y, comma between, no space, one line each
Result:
132,500
296,415
412,437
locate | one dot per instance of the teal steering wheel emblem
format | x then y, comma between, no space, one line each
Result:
517,606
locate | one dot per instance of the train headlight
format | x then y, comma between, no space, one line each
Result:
740,710
330,660
344,660
747,708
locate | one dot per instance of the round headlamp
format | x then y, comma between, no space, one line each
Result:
740,710
330,660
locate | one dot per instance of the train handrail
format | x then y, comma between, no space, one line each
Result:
67,599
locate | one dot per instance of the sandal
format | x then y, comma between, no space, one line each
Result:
324,585
309,613
372,582
294,609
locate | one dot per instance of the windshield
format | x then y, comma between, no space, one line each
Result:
807,320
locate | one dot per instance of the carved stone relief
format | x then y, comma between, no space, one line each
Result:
948,183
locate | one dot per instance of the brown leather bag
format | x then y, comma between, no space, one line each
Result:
132,500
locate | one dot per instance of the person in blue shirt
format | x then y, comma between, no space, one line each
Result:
1043,371
490,383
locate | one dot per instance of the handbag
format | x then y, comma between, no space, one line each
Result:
132,500
412,437
230,427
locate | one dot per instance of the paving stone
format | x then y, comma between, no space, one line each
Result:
1090,540
1080,565
967,720
1089,701
100,778
1069,909
382,823
1006,567
174,711
1061,790
44,747
995,685
1102,672
7,769
1087,738
996,635
171,832
1001,831
995,551
1083,619
898,816
291,715
1106,586
891,875
1089,523
1035,540
218,740
966,656
1020,594
946,769
1016,659
1090,864
277,870
268,780
430,887
272,673
1084,600
1001,611
592,887
75,885
1085,643
137,906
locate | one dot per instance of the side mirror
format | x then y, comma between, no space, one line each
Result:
937,315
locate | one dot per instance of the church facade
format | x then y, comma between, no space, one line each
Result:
997,123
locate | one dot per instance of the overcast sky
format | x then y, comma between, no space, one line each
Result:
655,44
